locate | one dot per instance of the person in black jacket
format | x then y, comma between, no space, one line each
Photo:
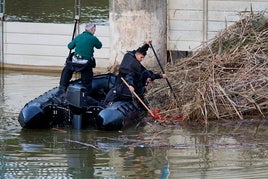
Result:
136,75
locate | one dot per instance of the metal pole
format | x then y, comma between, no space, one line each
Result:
2,11
2,6
162,69
205,20
77,11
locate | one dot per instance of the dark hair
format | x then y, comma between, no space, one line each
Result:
143,49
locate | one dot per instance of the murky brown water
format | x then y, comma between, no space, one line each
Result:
236,150
57,11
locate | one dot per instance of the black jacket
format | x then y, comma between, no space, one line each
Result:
135,73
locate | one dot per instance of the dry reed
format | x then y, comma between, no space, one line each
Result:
226,79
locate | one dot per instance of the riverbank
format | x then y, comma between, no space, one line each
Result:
226,79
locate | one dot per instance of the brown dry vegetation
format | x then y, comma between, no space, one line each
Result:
226,79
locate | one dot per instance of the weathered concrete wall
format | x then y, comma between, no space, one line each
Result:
177,26
192,22
134,21
45,44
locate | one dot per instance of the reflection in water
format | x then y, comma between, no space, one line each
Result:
56,11
23,162
237,150
234,152
51,156
17,90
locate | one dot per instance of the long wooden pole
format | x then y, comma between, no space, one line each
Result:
135,94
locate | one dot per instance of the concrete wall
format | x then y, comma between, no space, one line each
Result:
189,23
133,22
192,22
45,44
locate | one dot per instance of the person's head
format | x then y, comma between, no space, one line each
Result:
139,56
141,52
90,28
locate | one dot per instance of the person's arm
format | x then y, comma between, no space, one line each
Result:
152,75
97,43
159,75
143,68
130,80
71,45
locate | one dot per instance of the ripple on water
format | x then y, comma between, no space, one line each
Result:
233,151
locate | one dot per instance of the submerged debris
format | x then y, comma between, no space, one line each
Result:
226,79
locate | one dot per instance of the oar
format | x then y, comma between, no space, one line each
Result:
171,89
135,94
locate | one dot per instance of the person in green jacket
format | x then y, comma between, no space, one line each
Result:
82,60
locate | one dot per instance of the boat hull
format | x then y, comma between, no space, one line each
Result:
110,118
79,111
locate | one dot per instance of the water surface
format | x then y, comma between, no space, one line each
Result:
235,150
57,11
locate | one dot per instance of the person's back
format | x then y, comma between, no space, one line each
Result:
84,45
129,64
82,61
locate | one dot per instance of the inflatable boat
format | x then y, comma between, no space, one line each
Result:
79,111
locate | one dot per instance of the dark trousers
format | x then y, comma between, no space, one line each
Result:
86,75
